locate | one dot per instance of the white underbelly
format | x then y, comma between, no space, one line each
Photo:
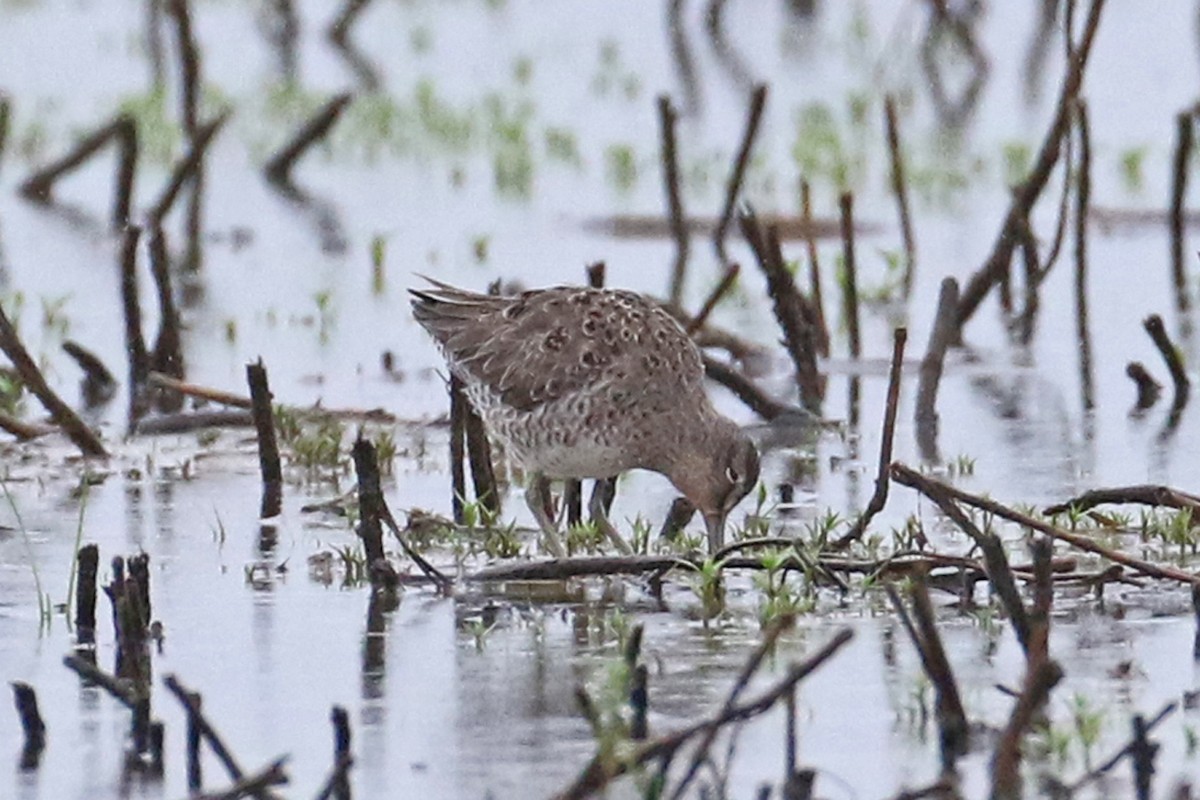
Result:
581,461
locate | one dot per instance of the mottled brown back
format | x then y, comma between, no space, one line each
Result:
544,345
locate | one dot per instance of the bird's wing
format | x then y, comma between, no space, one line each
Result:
546,344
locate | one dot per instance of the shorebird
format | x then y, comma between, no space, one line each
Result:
589,383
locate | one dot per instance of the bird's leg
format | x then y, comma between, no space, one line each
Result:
600,499
537,495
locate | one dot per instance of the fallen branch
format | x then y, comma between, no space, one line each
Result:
1145,494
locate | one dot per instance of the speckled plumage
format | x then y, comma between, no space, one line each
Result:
588,383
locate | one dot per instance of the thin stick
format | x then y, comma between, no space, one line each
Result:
268,448
62,414
771,635
186,167
167,355
1031,188
1158,333
908,477
600,771
850,286
758,101
1145,494
814,268
746,390
900,189
879,498
679,230
1183,154
1082,206
719,291
189,64
1148,389
339,29
943,335
279,167
370,498
188,700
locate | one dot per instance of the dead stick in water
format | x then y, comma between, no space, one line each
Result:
733,186
719,291
1183,154
167,354
61,413
1031,188
268,448
1083,193
278,168
185,169
907,476
679,230
135,343
1128,750
370,500
943,335
341,751
24,431
1158,333
900,189
189,64
339,29
814,268
887,437
32,724
771,635
850,286
256,784
746,390
39,187
1148,389
5,120
601,771
1144,494
224,398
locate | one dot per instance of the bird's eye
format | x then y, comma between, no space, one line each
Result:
732,475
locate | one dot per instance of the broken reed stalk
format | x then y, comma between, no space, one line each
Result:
24,431
1127,750
887,437
998,571
135,344
32,725
900,189
719,291
733,186
191,704
791,309
370,500
278,168
850,278
62,414
1028,192
187,166
194,739
814,268
341,752
679,230
268,447
1040,679
98,382
1148,389
1083,193
921,627
458,423
603,769
774,629
5,122
88,560
596,274
167,355
1170,353
746,390
941,337
907,476
1183,154
189,64
339,29
1144,494
39,187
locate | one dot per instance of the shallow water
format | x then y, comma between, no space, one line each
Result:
438,716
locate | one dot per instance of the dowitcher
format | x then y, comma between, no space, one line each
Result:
589,383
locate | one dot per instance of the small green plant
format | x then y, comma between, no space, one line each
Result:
378,265
585,537
354,564
708,584
319,446
386,450
1132,160
1089,723
963,466
621,166
43,598
479,631
561,145
1017,159
502,542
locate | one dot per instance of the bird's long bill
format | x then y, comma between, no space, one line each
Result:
715,523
